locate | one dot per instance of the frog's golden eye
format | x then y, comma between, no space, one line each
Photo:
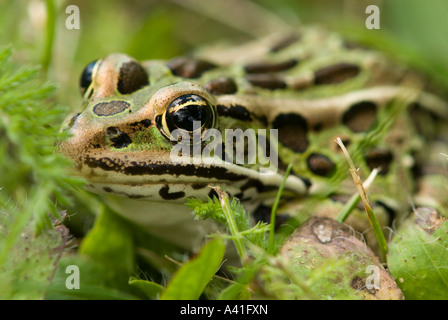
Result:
87,76
187,113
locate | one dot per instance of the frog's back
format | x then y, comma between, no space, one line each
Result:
314,86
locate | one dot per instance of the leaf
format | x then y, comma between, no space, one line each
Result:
149,288
32,178
105,259
418,256
190,280
110,243
235,291
94,284
31,261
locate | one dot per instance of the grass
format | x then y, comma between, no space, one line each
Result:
33,177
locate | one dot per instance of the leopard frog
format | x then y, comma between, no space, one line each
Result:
312,87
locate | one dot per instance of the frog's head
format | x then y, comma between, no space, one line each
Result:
120,141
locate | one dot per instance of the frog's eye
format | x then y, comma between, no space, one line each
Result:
188,113
87,76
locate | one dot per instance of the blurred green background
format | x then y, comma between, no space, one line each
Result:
412,30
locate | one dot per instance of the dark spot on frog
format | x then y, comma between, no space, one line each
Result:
335,73
360,116
268,67
417,169
306,181
110,108
292,131
263,214
132,77
285,42
186,67
258,185
213,194
108,189
118,138
318,127
198,186
266,81
423,120
135,196
234,111
379,158
320,165
345,141
166,195
391,213
221,86
240,197
146,123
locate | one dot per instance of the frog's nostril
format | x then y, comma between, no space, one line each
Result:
73,119
68,124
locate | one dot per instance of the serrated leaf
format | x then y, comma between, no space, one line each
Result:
190,280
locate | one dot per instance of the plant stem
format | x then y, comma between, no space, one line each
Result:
370,214
237,238
274,209
350,205
50,31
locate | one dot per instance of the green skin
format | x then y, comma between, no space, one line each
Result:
316,80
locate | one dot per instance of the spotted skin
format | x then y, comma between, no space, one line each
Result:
310,94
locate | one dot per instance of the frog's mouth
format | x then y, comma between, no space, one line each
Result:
132,176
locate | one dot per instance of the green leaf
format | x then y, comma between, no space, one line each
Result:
151,289
33,178
94,283
105,260
190,280
418,256
31,260
110,242
111,245
235,291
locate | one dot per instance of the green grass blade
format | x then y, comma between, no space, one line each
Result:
274,209
190,280
370,214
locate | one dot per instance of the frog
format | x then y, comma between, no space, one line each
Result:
305,89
